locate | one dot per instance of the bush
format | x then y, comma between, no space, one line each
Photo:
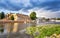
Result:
45,30
12,17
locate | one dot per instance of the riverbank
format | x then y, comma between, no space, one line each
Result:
12,21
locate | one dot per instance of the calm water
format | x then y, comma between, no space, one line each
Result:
13,30
12,27
16,27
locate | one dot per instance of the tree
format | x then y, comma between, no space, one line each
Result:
12,17
47,19
2,15
33,15
58,18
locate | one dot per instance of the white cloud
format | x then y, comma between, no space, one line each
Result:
45,13
24,2
41,12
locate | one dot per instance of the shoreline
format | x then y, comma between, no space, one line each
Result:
11,21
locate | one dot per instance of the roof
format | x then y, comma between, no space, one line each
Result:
23,16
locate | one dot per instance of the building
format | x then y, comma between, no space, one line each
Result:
19,17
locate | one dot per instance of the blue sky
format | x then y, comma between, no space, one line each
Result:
43,8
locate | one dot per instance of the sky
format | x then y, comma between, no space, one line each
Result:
43,8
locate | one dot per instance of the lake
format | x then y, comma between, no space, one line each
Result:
13,30
16,27
9,28
12,27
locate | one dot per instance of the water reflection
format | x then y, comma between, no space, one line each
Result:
15,27
1,28
9,27
12,27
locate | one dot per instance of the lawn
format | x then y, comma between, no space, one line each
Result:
43,31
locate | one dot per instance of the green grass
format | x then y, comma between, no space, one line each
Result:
44,30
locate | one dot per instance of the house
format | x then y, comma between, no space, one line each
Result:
19,17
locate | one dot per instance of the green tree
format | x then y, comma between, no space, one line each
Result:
12,17
2,15
33,15
47,19
58,18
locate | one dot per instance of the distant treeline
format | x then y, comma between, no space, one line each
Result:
49,19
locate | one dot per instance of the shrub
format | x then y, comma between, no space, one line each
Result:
45,30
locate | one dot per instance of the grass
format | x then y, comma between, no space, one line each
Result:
44,30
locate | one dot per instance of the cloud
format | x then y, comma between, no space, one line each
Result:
44,13
47,8
16,5
52,5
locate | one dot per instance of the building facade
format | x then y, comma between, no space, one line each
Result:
19,17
